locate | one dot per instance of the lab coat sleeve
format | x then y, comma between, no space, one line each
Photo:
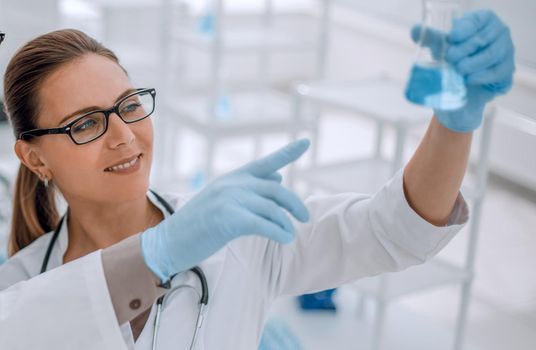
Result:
349,236
129,279
68,307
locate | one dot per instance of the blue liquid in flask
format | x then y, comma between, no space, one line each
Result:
437,86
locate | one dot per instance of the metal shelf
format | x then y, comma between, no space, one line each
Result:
360,175
365,175
434,273
251,112
380,98
248,39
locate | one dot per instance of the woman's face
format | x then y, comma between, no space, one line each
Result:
82,172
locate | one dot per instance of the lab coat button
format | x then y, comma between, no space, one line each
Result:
135,304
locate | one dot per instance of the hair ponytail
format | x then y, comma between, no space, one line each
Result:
34,210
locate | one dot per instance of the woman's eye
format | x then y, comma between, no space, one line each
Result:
85,125
131,107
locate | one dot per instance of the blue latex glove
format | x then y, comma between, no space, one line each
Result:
249,200
480,48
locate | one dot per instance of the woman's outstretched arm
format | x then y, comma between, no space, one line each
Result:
481,51
433,176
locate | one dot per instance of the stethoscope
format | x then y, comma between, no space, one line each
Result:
161,302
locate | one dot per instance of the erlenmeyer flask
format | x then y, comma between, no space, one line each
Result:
433,82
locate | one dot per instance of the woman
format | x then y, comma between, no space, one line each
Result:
85,131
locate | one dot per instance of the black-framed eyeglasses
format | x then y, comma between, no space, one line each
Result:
92,125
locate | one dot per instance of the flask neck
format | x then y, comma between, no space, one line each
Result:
440,14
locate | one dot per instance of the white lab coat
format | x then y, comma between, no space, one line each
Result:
349,236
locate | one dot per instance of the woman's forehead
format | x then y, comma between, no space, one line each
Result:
91,80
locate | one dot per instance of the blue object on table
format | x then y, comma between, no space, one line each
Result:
278,336
318,301
223,110
198,180
206,23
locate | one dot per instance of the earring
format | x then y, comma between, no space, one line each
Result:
45,181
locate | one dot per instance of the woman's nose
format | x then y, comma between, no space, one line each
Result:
119,132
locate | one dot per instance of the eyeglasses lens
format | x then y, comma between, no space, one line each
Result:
132,109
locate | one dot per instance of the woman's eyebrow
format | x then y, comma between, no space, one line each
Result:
92,108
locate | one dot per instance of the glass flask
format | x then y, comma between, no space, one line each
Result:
433,82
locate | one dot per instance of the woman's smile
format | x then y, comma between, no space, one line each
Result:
126,167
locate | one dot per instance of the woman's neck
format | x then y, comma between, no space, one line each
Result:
96,226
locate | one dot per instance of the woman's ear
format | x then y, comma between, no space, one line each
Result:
30,156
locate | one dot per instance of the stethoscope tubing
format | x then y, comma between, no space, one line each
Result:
203,299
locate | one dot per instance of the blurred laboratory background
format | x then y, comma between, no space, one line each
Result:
236,79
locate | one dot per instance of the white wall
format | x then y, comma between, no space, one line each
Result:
22,20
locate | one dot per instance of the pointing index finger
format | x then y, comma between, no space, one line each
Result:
277,159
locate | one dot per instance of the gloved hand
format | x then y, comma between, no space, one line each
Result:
246,201
480,48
